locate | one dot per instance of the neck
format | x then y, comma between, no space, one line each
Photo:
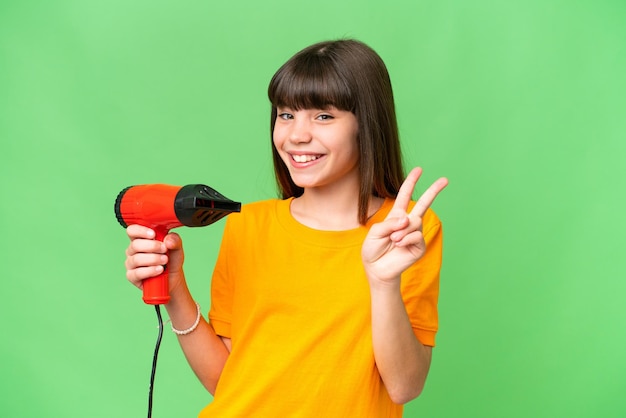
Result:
319,209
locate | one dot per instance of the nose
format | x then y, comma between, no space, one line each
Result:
300,131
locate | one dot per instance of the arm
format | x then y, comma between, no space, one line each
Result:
205,351
403,362
390,248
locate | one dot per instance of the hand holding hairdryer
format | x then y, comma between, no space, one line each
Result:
163,207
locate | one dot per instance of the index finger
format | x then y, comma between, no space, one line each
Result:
139,231
406,190
428,197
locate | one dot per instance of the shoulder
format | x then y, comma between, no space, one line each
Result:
430,219
260,205
260,212
261,208
431,223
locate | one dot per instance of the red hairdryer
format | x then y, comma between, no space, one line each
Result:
162,207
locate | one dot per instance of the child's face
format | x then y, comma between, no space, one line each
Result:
318,146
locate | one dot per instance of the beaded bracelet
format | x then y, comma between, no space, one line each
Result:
191,328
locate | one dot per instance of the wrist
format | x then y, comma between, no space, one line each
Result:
193,326
383,285
184,316
179,293
181,308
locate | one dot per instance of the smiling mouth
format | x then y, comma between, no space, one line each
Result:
305,158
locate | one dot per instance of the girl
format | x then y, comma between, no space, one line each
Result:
323,302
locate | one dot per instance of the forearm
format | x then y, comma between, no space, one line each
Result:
205,351
402,361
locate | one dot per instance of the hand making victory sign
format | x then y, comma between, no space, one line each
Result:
396,243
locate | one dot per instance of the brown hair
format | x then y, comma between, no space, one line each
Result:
350,76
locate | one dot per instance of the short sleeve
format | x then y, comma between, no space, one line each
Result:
222,284
420,283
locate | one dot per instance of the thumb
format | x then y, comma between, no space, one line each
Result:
173,241
176,255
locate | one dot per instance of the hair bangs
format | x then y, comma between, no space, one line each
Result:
311,83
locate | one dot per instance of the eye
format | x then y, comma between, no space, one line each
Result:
285,116
325,116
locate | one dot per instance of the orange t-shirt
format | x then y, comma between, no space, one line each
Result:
295,302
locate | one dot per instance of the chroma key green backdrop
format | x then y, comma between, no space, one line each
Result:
522,104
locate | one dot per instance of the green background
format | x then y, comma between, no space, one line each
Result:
522,104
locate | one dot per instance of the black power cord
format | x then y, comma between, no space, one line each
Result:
154,359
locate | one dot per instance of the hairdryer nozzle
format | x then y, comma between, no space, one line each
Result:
200,205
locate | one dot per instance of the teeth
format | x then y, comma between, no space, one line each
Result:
304,158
